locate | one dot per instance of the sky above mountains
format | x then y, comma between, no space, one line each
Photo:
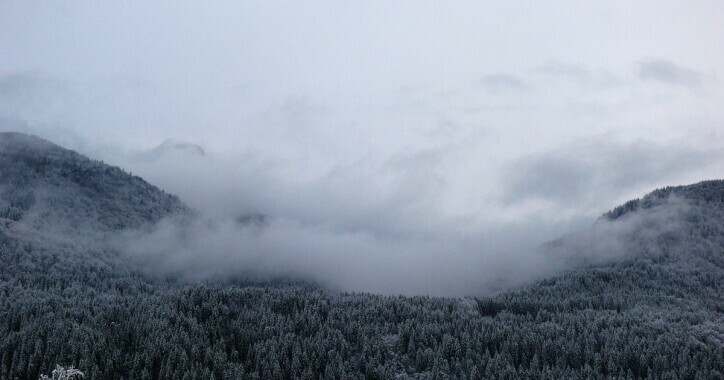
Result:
394,119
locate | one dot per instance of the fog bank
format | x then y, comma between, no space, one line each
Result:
431,264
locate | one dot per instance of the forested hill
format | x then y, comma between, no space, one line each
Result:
709,193
653,311
695,234
44,184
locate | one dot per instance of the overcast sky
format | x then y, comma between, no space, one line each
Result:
393,118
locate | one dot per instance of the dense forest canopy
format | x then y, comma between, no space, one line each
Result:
67,298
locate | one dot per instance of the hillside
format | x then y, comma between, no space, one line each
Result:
655,312
44,184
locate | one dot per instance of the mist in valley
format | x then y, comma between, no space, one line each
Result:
442,169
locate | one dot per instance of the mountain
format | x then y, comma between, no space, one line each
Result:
702,193
681,224
43,184
173,148
56,198
652,310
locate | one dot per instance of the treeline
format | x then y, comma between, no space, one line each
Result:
637,319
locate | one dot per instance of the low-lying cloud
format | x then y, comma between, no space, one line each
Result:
383,226
579,171
393,255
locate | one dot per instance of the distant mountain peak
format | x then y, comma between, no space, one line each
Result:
173,147
182,146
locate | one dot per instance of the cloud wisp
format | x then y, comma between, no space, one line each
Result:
577,172
667,72
499,83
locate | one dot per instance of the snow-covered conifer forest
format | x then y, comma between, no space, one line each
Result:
67,298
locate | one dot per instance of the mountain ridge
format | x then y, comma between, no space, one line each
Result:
704,191
46,181
657,312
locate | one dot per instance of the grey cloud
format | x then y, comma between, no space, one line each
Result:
367,227
20,85
294,116
589,170
357,261
578,74
502,82
24,95
557,68
563,70
665,71
391,197
549,176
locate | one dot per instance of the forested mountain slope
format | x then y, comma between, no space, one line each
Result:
45,184
655,312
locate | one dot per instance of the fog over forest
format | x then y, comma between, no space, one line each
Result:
434,264
425,150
